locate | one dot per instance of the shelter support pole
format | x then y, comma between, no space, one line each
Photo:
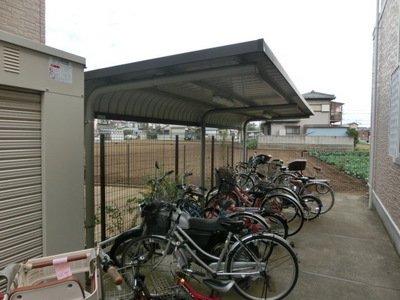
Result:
89,172
244,141
103,187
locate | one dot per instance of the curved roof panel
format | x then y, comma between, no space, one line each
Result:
222,87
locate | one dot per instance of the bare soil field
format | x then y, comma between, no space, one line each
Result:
130,163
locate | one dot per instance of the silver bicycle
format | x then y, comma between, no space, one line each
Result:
258,265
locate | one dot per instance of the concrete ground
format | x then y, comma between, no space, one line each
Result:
345,254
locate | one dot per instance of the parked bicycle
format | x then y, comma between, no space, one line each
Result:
258,265
157,193
281,204
301,184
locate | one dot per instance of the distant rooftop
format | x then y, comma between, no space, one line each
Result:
313,95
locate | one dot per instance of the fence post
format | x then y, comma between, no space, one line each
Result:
232,152
227,155
176,156
102,187
212,161
128,154
184,158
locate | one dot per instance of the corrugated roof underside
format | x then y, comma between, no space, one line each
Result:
184,93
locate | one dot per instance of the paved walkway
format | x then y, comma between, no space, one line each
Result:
345,254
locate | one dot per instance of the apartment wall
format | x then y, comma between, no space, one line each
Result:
25,18
385,173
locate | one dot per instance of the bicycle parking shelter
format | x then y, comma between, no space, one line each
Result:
222,87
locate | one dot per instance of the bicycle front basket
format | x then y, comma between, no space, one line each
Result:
225,180
157,217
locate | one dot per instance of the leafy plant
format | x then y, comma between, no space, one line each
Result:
354,163
114,216
252,144
352,132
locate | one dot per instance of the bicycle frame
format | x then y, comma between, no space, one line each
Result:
183,239
195,296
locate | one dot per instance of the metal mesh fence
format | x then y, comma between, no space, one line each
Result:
128,164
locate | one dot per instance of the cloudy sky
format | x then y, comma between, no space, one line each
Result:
323,45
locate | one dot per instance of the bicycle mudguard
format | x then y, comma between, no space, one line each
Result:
133,232
122,238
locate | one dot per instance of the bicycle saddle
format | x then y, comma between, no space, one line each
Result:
218,224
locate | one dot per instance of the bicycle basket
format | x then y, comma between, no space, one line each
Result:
225,180
157,217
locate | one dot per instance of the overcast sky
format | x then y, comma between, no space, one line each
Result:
323,45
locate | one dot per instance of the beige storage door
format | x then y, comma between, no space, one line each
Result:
20,176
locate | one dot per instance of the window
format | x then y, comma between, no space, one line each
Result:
320,107
316,107
325,107
291,130
394,122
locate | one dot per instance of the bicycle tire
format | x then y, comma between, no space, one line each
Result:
229,196
245,181
313,206
274,261
151,257
121,242
283,179
253,222
277,223
190,207
323,191
286,207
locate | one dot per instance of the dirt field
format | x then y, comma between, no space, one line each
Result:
130,163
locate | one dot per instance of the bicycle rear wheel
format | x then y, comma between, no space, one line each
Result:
245,181
271,260
286,207
151,259
214,201
278,225
253,222
284,179
324,192
312,206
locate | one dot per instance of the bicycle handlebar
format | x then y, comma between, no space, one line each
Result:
109,268
159,179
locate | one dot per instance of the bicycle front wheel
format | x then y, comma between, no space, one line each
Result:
264,267
151,259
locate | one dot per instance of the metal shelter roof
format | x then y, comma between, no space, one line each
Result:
222,87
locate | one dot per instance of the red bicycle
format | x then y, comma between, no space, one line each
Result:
281,204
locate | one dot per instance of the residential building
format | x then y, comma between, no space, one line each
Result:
385,131
326,121
25,18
